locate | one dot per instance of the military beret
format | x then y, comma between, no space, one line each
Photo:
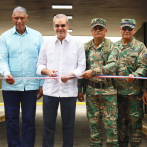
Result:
98,22
128,22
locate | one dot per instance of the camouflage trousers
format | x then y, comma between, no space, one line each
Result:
105,106
130,115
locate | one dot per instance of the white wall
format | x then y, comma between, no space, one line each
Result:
85,39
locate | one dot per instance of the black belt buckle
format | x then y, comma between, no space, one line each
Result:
96,85
93,84
101,85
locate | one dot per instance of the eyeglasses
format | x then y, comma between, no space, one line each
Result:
17,18
98,28
57,26
127,28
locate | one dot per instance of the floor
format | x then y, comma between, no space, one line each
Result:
81,137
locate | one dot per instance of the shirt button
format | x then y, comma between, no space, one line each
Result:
60,88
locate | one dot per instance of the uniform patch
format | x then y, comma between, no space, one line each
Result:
133,48
145,57
115,56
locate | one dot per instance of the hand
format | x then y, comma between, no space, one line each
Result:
144,97
87,74
39,93
52,73
80,97
9,79
131,79
64,79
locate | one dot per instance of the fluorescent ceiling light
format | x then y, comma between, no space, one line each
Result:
61,6
69,17
69,30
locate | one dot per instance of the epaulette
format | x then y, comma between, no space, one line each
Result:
87,45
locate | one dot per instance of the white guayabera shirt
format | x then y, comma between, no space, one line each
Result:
66,58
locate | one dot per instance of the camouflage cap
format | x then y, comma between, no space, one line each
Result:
128,22
98,22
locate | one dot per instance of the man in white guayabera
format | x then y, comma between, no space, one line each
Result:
61,55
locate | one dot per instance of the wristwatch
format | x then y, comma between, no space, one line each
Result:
93,72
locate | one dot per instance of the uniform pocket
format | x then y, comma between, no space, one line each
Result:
50,57
131,60
132,57
72,58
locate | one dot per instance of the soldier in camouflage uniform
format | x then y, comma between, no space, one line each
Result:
101,96
128,58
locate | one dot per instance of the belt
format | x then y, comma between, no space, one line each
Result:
97,85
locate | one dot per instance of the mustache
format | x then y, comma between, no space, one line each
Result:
60,31
97,33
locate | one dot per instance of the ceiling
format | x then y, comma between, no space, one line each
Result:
41,14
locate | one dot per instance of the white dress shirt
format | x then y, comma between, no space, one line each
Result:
66,58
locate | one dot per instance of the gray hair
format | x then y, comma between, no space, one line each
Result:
19,9
60,16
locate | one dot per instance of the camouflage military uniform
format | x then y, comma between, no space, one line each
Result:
132,61
100,102
128,59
